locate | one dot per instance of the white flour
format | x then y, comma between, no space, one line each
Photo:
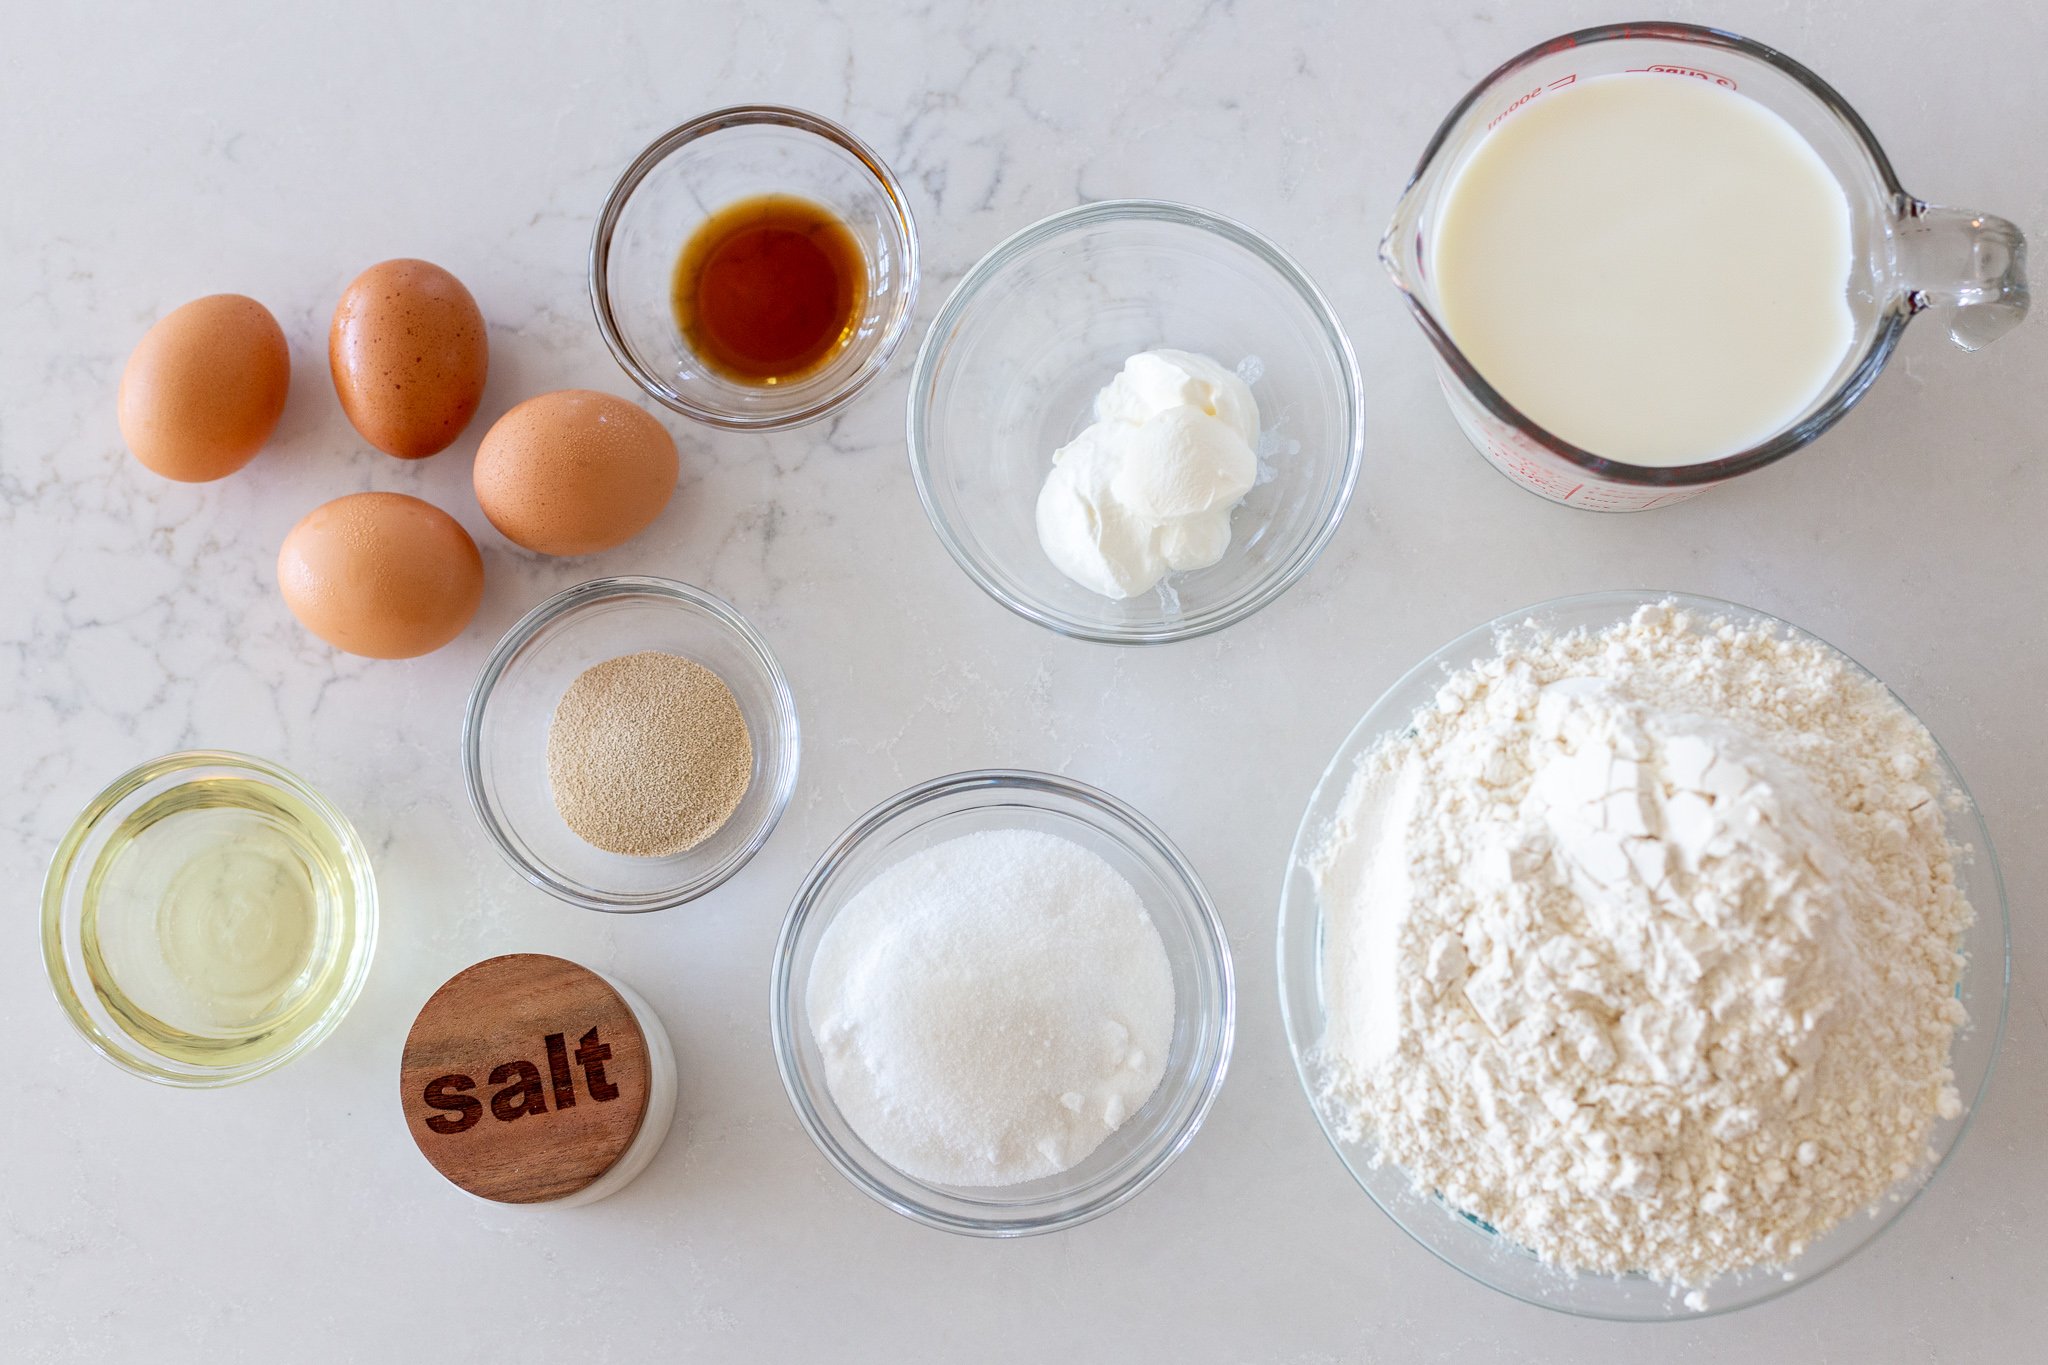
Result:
991,1008
1640,947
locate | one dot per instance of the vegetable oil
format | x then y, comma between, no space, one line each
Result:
217,921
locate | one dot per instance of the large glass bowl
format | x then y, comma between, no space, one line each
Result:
1469,1245
505,737
1010,369
691,172
1204,1008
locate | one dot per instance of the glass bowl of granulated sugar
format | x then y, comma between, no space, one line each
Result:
1642,956
1002,1003
630,744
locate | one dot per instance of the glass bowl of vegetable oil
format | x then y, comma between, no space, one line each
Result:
208,918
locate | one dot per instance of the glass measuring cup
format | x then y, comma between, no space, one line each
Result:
1907,257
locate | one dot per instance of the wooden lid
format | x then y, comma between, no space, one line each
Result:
525,1078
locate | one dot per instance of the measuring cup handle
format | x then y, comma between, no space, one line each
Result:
1969,268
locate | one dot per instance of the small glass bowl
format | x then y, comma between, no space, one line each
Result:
81,946
505,737
1470,1246
1010,369
691,172
1198,953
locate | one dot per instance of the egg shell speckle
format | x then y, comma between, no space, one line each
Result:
574,472
381,574
409,352
204,388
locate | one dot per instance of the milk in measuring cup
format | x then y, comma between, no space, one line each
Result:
1651,266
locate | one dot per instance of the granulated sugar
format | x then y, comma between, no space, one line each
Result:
991,1008
1641,946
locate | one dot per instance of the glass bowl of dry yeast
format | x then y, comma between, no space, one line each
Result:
630,744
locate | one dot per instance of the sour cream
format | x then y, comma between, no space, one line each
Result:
1148,487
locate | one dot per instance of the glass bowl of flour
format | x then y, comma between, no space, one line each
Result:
1664,869
1017,361
962,859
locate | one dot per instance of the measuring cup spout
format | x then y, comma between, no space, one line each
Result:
1970,269
1401,247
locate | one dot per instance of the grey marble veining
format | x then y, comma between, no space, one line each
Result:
154,153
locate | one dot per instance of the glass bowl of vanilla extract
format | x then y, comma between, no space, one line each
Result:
754,268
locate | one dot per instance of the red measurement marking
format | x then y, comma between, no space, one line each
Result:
1666,499
1558,84
1711,77
1494,122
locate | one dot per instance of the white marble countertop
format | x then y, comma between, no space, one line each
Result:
153,153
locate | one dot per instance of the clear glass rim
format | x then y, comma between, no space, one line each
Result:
579,598
1201,911
1293,1012
967,292
71,993
1831,410
719,120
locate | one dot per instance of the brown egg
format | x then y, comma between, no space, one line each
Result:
574,472
409,355
204,388
381,574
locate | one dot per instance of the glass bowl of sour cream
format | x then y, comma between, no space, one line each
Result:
1012,367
